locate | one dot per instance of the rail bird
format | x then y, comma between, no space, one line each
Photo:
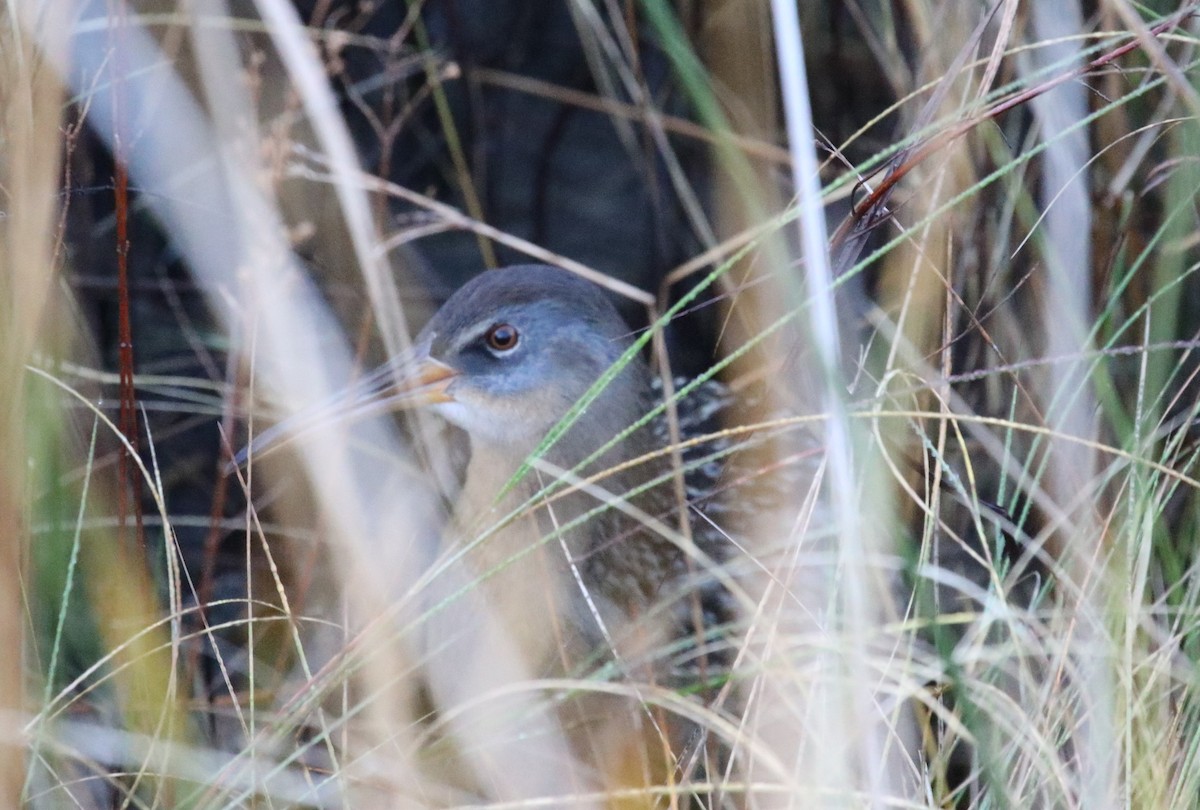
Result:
570,506
574,513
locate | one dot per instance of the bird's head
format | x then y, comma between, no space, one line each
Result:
509,354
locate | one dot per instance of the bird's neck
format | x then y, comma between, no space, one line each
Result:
530,541
585,466
534,539
576,467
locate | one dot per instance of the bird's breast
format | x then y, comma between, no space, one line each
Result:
519,547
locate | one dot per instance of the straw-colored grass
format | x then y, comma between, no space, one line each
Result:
979,590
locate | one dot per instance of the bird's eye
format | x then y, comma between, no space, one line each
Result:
502,337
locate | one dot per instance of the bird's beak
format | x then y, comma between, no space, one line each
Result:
427,382
420,381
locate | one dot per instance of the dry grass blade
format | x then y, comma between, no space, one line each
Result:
747,527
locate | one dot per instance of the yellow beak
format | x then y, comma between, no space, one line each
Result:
428,384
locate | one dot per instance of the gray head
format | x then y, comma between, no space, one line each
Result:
514,349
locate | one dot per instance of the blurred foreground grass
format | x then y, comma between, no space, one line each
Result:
990,598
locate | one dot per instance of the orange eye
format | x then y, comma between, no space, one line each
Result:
502,337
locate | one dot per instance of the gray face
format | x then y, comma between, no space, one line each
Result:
527,343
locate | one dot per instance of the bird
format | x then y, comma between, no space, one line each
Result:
570,508
507,359
573,512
